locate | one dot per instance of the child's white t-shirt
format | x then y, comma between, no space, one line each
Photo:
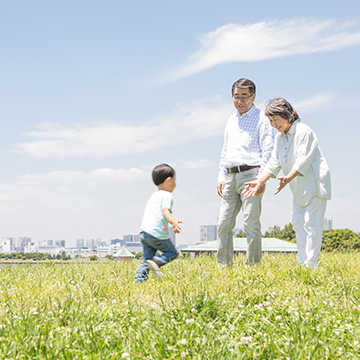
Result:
153,221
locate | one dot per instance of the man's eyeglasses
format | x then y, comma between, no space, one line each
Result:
241,98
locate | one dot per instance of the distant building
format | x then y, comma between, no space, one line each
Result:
89,243
32,247
134,246
208,233
99,242
20,244
274,228
80,243
131,238
240,246
13,244
104,250
123,254
121,242
6,245
51,246
328,224
60,243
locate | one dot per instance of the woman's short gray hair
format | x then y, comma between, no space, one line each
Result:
283,108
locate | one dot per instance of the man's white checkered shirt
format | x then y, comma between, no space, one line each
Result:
248,140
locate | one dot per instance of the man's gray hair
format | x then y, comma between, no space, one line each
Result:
244,83
283,108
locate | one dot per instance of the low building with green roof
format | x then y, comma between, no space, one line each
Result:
240,244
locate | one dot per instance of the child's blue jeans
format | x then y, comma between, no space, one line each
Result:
150,246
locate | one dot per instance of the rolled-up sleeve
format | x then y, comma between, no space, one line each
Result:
266,141
273,166
305,149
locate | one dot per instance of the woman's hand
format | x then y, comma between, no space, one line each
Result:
284,180
254,188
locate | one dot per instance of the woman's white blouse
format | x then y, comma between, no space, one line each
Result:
299,150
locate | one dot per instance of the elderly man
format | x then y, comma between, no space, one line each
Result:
248,143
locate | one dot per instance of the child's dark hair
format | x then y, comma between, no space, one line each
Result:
161,173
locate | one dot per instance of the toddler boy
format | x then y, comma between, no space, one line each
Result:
154,231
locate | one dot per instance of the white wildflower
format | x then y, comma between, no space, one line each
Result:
246,339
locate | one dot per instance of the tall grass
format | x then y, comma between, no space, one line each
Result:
277,310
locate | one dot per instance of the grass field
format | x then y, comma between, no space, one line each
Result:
95,310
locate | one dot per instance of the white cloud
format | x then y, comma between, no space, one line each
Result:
195,164
65,187
197,120
202,119
266,40
95,177
70,204
313,103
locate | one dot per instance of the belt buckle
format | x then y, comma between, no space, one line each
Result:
234,170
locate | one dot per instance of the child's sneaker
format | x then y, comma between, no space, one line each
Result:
154,267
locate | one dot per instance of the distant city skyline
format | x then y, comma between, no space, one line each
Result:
207,232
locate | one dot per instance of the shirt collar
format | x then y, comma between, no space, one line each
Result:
291,130
248,113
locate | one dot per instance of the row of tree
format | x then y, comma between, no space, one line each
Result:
333,239
34,256
45,256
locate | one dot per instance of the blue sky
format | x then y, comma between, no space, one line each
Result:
95,94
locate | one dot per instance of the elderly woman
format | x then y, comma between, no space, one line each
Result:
297,153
